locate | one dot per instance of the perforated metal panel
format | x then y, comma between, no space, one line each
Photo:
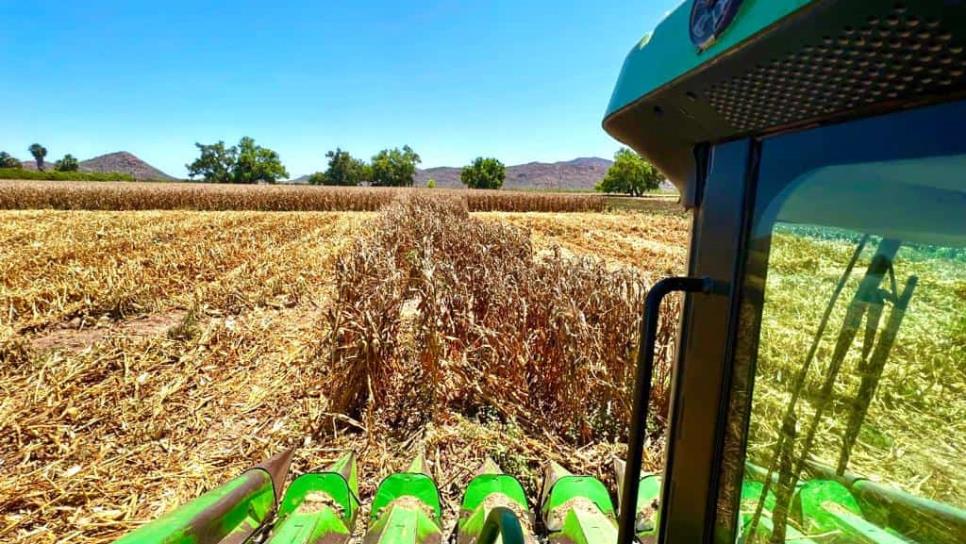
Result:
894,55
831,61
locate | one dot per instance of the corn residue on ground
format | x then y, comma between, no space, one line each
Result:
150,355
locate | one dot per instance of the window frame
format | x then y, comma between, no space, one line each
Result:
743,177
718,235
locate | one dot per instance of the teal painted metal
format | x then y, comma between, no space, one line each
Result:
502,526
668,53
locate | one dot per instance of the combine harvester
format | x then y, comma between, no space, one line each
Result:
786,125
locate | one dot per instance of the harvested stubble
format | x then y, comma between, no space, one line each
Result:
913,434
214,197
93,442
655,243
57,266
96,442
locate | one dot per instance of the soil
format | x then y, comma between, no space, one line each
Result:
75,336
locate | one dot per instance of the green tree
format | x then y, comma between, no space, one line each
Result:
39,152
67,164
630,174
484,173
215,164
343,170
242,163
255,163
394,167
431,183
9,161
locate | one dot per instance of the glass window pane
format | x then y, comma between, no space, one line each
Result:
857,422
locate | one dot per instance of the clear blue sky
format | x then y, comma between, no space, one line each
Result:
519,80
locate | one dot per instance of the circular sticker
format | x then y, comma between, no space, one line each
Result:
709,18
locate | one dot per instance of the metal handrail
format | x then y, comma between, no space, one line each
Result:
642,393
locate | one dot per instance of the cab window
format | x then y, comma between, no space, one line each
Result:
848,413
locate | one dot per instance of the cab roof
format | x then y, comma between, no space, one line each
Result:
782,65
668,53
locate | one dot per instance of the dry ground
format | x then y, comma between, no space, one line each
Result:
150,355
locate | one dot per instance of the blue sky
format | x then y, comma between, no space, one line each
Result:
518,80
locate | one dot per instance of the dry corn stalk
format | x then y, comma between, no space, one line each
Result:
470,322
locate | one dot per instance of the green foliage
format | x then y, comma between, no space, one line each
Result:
215,163
431,183
630,174
8,161
343,170
243,163
68,164
484,173
257,164
394,167
39,152
54,175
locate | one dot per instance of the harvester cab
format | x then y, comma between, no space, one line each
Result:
819,144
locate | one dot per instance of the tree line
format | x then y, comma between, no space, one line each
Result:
397,168
248,162
67,164
388,168
630,173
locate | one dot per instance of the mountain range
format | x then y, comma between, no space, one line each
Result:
578,174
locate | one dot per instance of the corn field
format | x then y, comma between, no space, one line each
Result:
150,355
22,195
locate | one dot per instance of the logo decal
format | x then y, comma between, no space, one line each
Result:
709,18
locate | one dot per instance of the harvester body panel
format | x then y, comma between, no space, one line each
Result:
406,509
320,507
576,509
490,490
230,513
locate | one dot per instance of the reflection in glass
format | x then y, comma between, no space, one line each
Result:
857,425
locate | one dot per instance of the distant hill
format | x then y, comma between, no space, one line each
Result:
126,163
578,174
120,161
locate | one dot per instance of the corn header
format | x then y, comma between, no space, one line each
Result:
810,139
